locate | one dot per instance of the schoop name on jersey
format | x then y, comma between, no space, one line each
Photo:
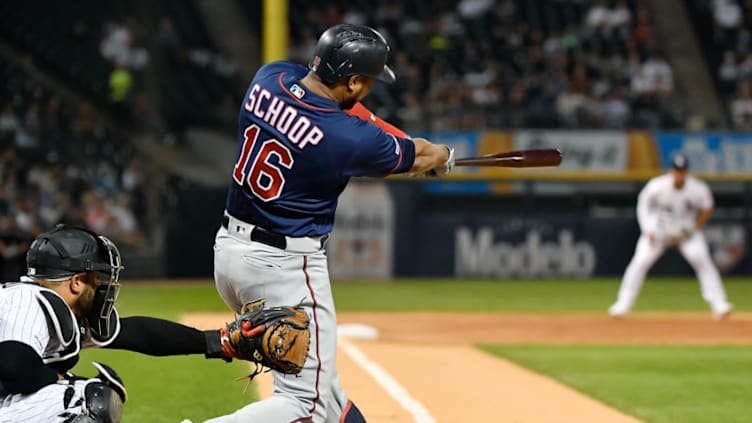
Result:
297,151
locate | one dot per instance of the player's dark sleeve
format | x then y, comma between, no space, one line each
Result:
152,336
22,370
376,153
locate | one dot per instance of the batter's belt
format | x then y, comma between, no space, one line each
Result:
247,232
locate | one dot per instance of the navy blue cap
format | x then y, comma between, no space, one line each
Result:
679,162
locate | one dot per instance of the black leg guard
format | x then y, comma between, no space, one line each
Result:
353,414
103,403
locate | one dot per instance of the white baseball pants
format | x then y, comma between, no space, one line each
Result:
43,406
245,271
695,251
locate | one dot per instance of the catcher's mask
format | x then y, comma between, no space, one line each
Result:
68,250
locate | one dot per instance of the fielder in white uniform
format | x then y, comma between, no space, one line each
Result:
672,209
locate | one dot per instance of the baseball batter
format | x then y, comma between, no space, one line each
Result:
67,303
297,149
672,209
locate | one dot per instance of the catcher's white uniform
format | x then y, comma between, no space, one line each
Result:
22,319
667,217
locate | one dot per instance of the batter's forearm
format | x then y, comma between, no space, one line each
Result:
702,218
428,155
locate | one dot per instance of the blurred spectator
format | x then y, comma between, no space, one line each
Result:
147,119
473,9
728,50
620,17
657,74
25,216
13,245
643,31
741,107
166,37
616,110
27,136
728,14
8,120
117,46
121,82
728,72
597,15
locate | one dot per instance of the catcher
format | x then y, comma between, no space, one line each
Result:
67,302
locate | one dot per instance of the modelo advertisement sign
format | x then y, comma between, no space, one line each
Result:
560,246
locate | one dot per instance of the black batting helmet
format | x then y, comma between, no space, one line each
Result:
345,50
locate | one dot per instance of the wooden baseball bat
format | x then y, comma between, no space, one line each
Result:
521,158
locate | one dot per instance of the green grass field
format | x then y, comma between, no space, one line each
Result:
658,384
654,383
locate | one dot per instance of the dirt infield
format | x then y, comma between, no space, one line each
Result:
428,359
470,328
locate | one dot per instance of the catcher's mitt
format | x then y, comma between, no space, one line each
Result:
275,337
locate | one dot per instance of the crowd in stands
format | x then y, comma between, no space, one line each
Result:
728,47
510,63
461,64
59,164
155,65
196,80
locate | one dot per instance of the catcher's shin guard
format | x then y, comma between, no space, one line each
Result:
102,404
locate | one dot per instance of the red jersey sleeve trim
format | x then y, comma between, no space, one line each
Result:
302,103
399,160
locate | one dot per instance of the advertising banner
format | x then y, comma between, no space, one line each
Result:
363,236
597,151
557,246
709,153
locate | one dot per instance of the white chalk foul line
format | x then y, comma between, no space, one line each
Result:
390,384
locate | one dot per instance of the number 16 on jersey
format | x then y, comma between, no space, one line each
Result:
264,177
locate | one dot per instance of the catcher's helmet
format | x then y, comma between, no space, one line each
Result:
345,50
67,250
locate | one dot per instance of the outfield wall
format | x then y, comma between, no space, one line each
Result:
573,221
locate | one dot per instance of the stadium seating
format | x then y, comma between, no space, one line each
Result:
514,63
71,40
57,163
724,28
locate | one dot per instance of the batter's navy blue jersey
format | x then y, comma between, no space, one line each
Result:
297,151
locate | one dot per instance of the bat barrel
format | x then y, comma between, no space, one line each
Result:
522,158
